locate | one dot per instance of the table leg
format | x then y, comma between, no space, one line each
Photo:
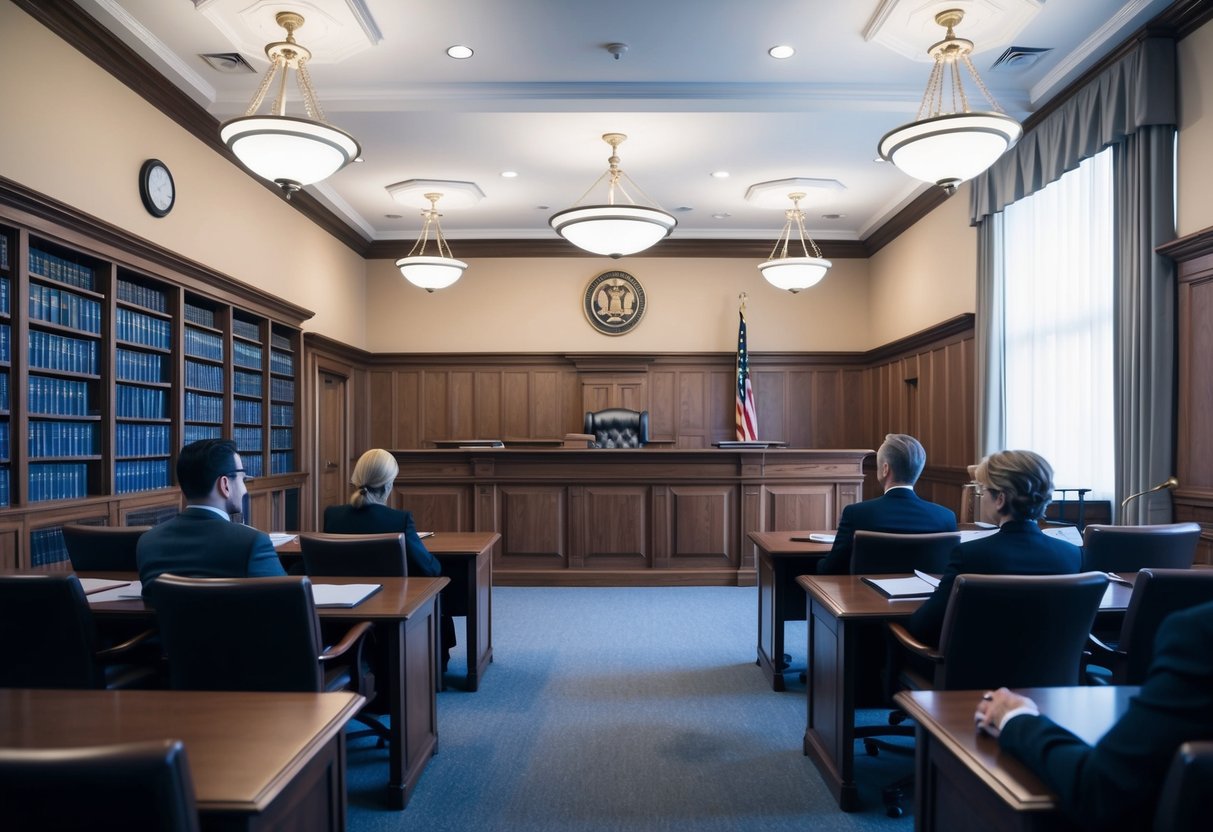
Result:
770,621
829,737
413,703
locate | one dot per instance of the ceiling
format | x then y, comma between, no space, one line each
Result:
695,92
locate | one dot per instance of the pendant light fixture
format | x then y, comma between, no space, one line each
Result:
613,229
794,272
290,151
947,148
431,272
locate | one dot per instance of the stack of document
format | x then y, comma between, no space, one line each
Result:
919,585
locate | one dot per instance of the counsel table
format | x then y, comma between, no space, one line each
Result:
961,774
258,760
467,559
841,608
405,609
781,559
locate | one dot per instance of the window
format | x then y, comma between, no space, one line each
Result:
1058,270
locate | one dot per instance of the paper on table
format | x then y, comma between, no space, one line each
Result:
821,538
931,579
1070,534
425,534
342,595
125,592
95,585
899,588
282,538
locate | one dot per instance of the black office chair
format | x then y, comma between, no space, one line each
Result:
51,640
256,634
1018,631
618,427
102,548
354,555
144,786
1156,594
1130,548
1183,805
882,553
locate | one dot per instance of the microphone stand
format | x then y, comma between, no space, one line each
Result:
1167,484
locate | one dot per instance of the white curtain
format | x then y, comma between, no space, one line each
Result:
1058,326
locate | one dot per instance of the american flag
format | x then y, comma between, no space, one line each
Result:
747,419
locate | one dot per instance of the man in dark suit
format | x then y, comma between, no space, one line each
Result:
899,462
1116,783
1015,487
202,541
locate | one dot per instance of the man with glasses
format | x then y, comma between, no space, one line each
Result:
202,541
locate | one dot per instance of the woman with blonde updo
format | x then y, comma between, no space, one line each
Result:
1014,487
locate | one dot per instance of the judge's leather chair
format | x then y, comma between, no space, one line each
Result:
255,634
1183,805
143,786
354,555
102,548
618,427
1130,548
51,640
1156,594
883,553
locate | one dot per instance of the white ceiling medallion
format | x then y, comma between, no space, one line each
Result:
905,25
336,29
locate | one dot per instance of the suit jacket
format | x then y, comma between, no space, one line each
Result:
1019,547
899,511
1116,783
373,518
200,544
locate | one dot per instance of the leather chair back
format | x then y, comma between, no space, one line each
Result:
1183,805
618,427
102,548
882,553
240,633
50,637
1156,594
144,786
354,555
1017,630
1131,548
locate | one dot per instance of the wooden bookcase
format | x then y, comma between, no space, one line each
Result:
113,354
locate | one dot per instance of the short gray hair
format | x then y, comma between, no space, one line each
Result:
904,455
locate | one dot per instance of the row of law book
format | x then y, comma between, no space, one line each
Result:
140,402
141,439
141,295
282,363
246,329
246,355
138,328
204,376
5,295
282,462
200,315
203,344
140,475
133,365
282,389
202,408
58,396
52,267
46,439
59,306
282,414
50,351
247,439
245,384
58,481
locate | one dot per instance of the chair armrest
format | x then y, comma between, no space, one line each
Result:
914,645
349,640
119,650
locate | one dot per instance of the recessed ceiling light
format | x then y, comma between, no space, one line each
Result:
459,52
781,52
721,216
543,207
509,174
684,208
720,174
393,216
833,216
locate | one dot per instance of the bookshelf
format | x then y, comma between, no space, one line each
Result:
113,354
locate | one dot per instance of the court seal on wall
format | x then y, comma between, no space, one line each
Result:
614,302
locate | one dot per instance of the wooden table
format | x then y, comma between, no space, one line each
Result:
780,561
259,761
405,609
841,610
961,774
467,559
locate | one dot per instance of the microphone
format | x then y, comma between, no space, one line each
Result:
1169,482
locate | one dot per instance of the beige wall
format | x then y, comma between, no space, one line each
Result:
927,275
74,133
1196,131
535,305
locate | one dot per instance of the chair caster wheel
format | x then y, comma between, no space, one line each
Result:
871,748
894,811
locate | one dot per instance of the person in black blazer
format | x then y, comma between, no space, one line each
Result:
1115,784
201,541
1014,488
899,462
367,513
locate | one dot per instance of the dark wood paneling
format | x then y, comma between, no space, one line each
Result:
799,507
703,526
616,523
448,507
487,400
533,523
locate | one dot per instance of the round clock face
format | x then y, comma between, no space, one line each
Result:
156,188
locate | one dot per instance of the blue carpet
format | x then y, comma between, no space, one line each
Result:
613,709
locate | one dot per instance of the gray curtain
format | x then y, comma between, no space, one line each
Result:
989,334
1144,331
1132,104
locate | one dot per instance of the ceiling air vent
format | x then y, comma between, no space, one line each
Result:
232,63
1019,57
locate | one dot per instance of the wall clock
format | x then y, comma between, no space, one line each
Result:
156,188
614,302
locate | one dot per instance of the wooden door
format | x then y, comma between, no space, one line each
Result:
333,441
